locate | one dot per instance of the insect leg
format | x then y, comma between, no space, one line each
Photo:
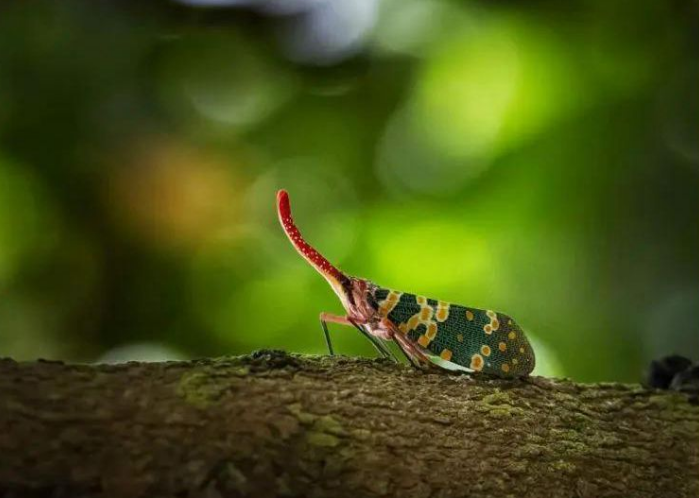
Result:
327,336
384,349
377,343
328,317
407,355
342,320
414,355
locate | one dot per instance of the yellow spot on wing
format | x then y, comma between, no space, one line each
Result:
423,341
476,362
505,367
445,355
485,350
387,305
521,350
511,335
494,322
431,330
469,315
460,337
502,346
421,300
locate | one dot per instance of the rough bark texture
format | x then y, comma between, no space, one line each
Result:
272,424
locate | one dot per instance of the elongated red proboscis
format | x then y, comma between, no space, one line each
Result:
316,259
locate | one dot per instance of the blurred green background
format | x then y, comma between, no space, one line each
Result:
538,158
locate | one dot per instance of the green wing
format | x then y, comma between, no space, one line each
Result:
481,340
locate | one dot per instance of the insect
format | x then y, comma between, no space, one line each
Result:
424,329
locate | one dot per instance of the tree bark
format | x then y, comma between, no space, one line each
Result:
273,424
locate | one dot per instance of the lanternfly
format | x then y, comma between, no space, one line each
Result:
423,328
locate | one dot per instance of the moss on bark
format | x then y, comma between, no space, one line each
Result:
273,424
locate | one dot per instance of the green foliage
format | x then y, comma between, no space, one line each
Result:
542,162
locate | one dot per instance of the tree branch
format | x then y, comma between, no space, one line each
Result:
272,424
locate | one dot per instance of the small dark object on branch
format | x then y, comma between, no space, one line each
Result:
687,382
662,371
677,373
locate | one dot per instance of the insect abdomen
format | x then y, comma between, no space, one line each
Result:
481,340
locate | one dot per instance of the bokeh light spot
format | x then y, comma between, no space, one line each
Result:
174,195
466,90
407,161
224,78
328,32
409,26
430,254
489,88
141,351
